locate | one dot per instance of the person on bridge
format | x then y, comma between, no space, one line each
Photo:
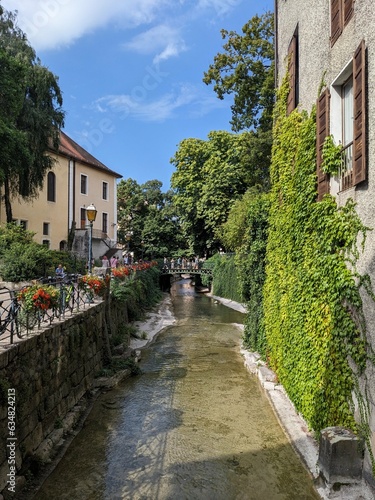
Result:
60,272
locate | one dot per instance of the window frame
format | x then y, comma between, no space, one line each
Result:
105,190
84,178
82,218
51,187
104,222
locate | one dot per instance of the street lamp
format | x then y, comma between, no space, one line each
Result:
91,216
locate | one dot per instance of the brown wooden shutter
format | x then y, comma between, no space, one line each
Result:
322,131
348,10
359,111
336,20
292,58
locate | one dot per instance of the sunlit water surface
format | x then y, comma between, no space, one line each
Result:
194,426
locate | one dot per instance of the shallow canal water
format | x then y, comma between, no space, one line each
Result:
194,426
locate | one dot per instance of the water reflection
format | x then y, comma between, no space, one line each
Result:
195,425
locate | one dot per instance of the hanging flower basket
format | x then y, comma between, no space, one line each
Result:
121,273
93,284
40,297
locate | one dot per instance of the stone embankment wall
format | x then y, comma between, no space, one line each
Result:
42,378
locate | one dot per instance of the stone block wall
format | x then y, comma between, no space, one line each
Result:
48,374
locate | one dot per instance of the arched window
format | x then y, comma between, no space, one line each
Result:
51,186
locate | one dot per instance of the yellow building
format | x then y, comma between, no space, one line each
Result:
58,215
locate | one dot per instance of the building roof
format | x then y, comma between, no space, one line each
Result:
71,149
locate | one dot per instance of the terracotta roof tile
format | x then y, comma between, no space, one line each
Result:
70,148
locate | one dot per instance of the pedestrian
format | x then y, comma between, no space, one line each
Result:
105,261
60,272
113,262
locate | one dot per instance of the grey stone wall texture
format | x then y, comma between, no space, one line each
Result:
50,372
319,62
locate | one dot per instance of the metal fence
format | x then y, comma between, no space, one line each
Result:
18,321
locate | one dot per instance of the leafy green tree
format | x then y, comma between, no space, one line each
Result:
30,114
21,258
210,175
147,219
246,70
131,212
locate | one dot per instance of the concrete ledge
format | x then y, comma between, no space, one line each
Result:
292,423
302,440
266,375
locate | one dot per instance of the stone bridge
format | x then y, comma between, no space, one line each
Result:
186,270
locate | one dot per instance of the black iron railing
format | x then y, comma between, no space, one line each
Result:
18,321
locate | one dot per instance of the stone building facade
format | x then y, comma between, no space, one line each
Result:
328,47
76,181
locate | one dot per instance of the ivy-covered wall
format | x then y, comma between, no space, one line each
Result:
225,282
250,261
312,304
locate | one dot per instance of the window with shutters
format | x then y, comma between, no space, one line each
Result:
347,124
293,73
341,13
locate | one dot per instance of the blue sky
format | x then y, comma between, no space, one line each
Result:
131,73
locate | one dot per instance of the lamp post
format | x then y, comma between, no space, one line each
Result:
91,216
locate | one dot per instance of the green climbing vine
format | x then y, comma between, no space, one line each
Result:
332,156
315,332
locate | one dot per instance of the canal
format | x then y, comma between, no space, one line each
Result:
194,426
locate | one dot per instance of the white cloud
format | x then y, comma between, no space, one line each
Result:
163,39
50,24
186,97
221,7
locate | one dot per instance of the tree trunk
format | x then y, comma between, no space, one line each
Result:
8,206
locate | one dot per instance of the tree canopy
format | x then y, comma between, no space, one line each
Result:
210,176
147,220
30,114
246,70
